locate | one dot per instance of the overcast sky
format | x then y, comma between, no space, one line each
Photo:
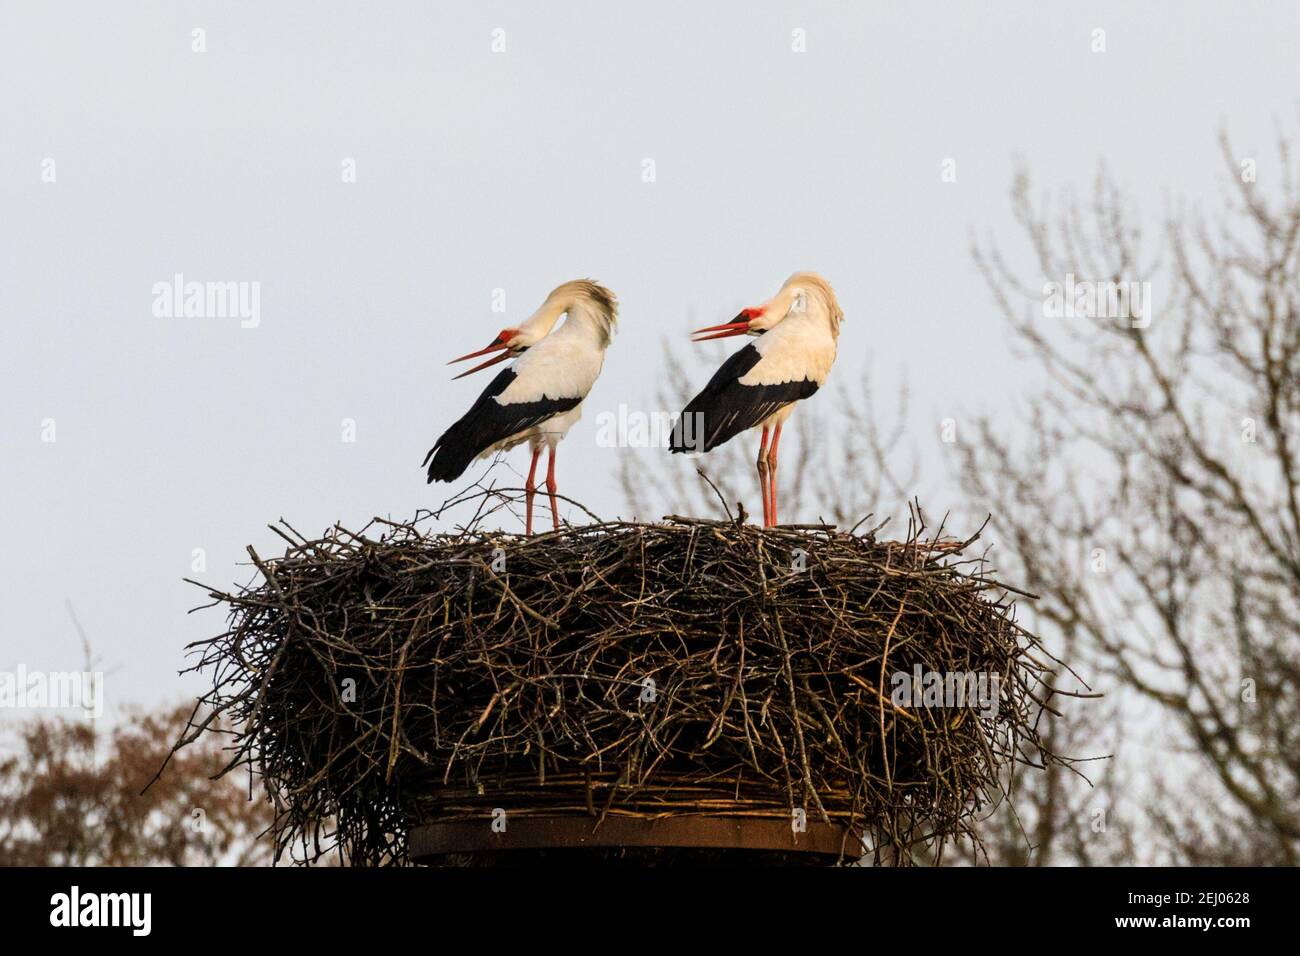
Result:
132,439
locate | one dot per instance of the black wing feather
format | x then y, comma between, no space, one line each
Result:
725,408
486,423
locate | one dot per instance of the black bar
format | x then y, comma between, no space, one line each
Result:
944,907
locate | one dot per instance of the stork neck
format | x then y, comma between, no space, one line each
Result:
542,322
588,321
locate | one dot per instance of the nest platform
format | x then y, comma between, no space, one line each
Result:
654,692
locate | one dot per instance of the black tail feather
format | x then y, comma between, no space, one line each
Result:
691,430
449,457
486,424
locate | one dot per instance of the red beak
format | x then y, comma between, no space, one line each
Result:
496,346
739,327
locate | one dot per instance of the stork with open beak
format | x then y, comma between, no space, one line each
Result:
759,385
538,398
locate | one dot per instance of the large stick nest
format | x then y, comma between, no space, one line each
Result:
389,677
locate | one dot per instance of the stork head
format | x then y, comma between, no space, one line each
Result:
509,342
804,293
589,302
752,321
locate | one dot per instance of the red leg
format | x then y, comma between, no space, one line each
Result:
530,489
771,476
762,475
550,488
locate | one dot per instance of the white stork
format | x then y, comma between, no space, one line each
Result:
538,398
758,386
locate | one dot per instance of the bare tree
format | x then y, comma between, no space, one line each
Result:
1152,494
70,797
